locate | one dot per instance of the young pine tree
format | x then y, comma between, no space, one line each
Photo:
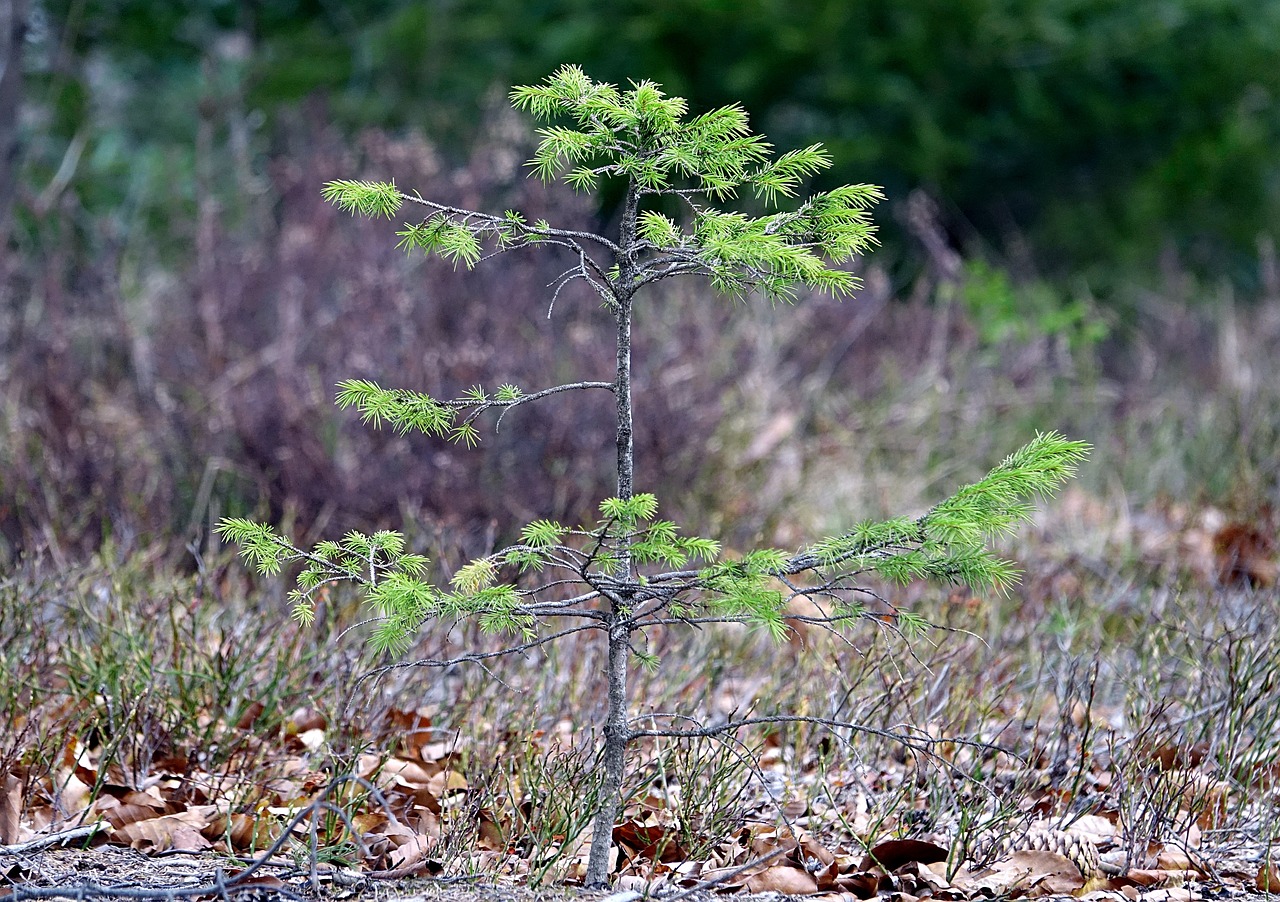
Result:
631,570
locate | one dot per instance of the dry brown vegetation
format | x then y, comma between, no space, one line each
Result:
1124,695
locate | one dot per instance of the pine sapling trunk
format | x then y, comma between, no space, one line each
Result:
616,737
622,388
617,731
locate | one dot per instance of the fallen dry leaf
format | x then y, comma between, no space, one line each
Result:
1246,554
1176,894
445,782
650,840
894,853
1031,873
412,851
1268,879
242,831
1144,877
1174,860
10,808
785,879
250,716
862,884
412,730
188,839
1093,827
169,831
267,881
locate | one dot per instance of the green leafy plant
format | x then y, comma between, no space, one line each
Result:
631,570
1002,310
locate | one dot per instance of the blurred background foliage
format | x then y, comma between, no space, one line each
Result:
1069,136
1064,176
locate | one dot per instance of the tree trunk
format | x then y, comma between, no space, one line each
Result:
626,450
617,732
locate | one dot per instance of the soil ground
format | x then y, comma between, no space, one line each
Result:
114,874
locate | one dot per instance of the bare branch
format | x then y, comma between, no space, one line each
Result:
53,839
475,657
525,399
502,221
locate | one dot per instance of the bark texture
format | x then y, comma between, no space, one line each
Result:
617,731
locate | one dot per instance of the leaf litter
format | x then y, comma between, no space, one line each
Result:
1122,797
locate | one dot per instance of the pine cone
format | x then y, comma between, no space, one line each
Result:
1080,852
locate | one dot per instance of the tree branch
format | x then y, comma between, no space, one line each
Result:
525,399
503,221
475,657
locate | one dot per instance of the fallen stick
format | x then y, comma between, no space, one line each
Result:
52,839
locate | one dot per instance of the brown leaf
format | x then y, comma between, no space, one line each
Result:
1174,756
445,782
189,839
1093,827
269,881
177,763
150,800
1246,554
403,772
862,884
815,850
894,853
934,877
652,841
251,714
121,815
412,852
1173,860
826,878
10,808
1026,872
76,794
412,730
790,881
169,831
1268,879
1051,873
762,839
242,830
1144,877
491,836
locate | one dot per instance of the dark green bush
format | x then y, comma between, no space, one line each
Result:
1106,131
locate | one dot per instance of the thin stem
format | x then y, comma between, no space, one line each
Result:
624,290
617,732
622,391
617,735
525,399
501,221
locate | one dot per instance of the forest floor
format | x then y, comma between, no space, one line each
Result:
1108,730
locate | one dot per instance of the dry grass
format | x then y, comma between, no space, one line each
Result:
1133,673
